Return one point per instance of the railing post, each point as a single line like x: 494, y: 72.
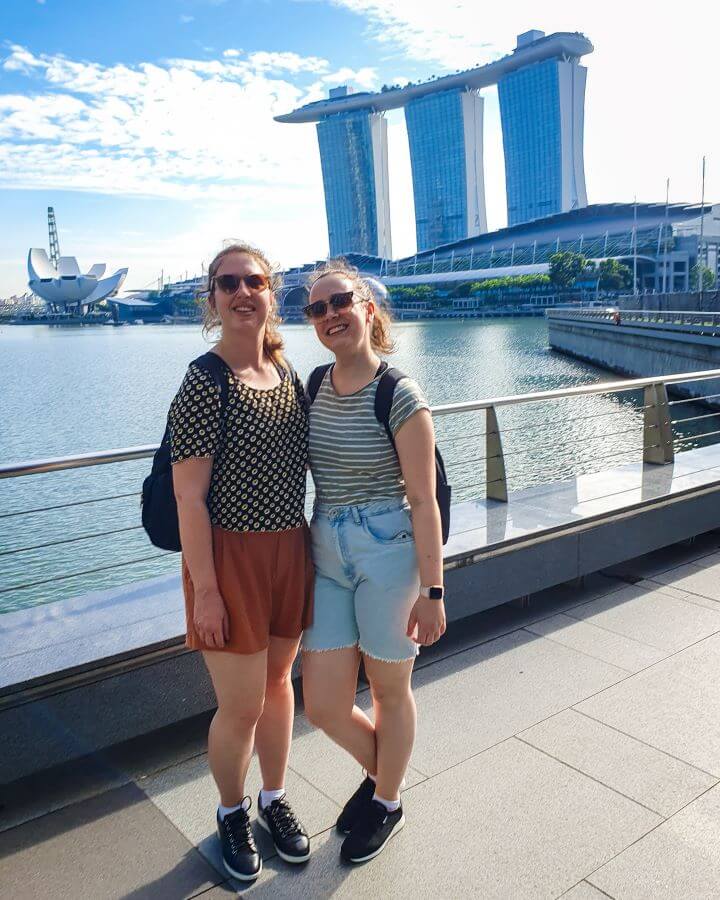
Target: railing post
x: 496, y: 488
x: 657, y: 426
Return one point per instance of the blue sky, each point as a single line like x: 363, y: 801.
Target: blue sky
x: 148, y: 125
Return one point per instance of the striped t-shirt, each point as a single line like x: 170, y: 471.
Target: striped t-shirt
x: 351, y: 459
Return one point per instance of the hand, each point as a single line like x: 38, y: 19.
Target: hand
x: 428, y: 617
x: 211, y: 619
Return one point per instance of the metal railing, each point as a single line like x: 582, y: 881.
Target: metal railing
x: 653, y: 440
x: 696, y: 322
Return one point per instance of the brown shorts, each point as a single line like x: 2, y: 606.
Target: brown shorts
x: 266, y: 580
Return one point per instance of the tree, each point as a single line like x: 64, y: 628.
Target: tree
x: 708, y: 278
x: 614, y: 276
x: 566, y: 267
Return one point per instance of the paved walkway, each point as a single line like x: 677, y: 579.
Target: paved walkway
x: 568, y: 749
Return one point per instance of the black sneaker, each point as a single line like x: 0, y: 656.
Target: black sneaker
x: 352, y: 809
x: 290, y: 838
x: 371, y: 832
x: 239, y: 853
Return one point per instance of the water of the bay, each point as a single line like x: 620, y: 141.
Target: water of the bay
x: 68, y: 391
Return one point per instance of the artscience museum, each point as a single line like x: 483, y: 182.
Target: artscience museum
x: 64, y: 287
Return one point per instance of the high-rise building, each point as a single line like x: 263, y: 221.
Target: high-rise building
x: 542, y: 92
x: 445, y: 132
x: 353, y: 156
x: 542, y: 112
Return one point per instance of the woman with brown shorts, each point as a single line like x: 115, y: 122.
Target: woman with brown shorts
x: 239, y: 470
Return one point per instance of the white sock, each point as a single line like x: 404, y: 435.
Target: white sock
x: 226, y: 810
x: 371, y: 777
x: 267, y: 797
x: 390, y: 805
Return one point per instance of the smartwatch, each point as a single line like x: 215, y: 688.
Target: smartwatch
x: 435, y: 592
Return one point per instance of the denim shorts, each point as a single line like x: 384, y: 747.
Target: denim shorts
x: 366, y: 579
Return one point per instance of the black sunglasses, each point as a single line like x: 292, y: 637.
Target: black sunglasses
x: 319, y: 308
x: 229, y: 284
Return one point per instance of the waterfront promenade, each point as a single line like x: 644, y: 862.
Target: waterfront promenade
x: 569, y: 748
x: 639, y: 342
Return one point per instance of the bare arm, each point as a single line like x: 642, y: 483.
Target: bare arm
x: 191, y: 482
x: 415, y: 442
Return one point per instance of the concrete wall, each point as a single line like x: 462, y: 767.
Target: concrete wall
x: 640, y: 352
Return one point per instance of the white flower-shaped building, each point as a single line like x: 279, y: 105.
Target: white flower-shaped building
x: 66, y: 285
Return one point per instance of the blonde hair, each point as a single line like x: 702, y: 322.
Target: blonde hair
x: 272, y: 341
x: 380, y: 339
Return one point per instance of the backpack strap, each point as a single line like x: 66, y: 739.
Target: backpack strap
x: 315, y: 380
x: 218, y: 368
x: 384, y: 397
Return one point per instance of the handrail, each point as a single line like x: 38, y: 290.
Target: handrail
x: 103, y: 457
x: 610, y: 310
x: 604, y: 387
x: 79, y: 461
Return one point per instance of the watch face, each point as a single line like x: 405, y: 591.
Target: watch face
x: 436, y: 593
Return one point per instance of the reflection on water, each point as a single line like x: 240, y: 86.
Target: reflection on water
x: 71, y: 391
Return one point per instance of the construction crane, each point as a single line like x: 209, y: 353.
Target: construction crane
x: 53, y: 237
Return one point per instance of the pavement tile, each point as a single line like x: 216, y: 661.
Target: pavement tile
x: 117, y: 845
x: 471, y: 701
x: 680, y: 858
x: 598, y: 642
x: 674, y: 706
x: 535, y: 829
x: 582, y: 891
x: 702, y: 577
x: 651, y: 616
x: 187, y: 796
x: 673, y: 591
x: 222, y: 892
x: 642, y: 773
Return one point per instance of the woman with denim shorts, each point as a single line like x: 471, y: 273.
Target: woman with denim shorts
x: 377, y: 551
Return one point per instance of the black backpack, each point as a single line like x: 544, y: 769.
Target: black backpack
x: 159, y: 509
x: 383, y: 404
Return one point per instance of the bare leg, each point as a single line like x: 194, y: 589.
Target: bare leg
x: 329, y: 686
x: 394, y: 721
x: 273, y: 733
x: 239, y: 682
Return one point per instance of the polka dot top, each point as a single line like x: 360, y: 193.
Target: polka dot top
x: 260, y: 456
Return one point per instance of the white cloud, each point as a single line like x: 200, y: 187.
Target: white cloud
x: 445, y: 34
x: 186, y: 20
x: 365, y: 78
x: 181, y: 128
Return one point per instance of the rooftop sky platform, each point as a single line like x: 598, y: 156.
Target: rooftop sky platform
x: 561, y: 45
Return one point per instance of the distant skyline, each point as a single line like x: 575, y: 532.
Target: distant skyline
x: 156, y: 142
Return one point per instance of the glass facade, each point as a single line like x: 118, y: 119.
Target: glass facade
x: 437, y: 155
x: 346, y: 157
x: 530, y: 113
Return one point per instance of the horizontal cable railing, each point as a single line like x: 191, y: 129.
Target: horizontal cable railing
x: 79, y: 543
x: 696, y: 321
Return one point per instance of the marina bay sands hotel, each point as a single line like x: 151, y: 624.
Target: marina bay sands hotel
x: 541, y: 87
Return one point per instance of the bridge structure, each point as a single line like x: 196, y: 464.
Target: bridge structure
x: 541, y: 87
x: 569, y: 718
